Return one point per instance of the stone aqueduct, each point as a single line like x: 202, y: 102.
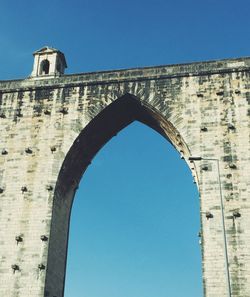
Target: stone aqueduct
x: 52, y: 125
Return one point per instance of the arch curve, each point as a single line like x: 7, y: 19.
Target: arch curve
x: 106, y: 125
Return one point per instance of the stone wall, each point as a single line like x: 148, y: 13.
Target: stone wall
x: 52, y: 128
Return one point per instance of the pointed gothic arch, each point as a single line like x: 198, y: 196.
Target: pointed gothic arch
x: 112, y: 119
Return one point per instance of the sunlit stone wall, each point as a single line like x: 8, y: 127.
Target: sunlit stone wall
x: 47, y: 124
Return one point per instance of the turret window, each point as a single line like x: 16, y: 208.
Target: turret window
x: 44, y: 67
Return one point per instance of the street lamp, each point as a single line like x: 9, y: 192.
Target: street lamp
x: 198, y: 158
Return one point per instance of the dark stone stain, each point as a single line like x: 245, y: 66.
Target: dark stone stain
x: 248, y: 97
x: 37, y: 109
x: 42, y: 94
x: 228, y: 158
x: 228, y: 186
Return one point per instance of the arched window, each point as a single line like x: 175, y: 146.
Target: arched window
x: 44, y: 67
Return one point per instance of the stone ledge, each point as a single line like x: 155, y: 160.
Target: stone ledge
x: 127, y: 75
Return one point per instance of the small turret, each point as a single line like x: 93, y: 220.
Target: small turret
x: 48, y: 61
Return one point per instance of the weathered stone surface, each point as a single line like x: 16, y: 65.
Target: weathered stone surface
x: 51, y: 129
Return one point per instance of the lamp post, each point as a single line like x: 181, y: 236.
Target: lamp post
x: 222, y: 219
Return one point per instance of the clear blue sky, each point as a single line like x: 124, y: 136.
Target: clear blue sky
x: 136, y: 214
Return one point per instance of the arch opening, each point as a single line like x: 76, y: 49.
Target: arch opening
x: 44, y: 67
x: 133, y: 227
x: 93, y: 137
